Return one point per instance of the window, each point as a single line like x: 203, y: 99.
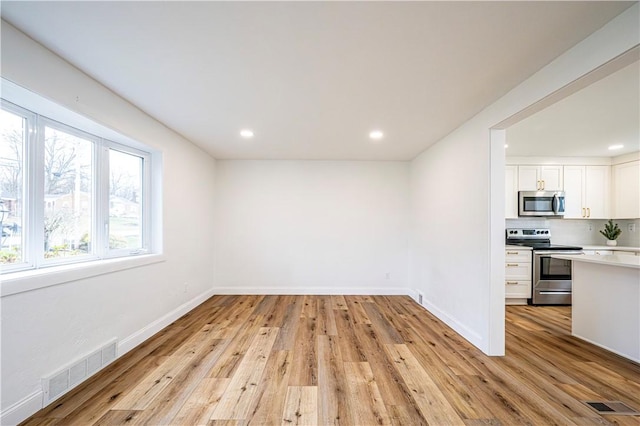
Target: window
x: 68, y: 195
x: 125, y: 200
x: 68, y: 184
x: 14, y: 132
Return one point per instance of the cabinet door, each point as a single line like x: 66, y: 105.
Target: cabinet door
x: 574, y: 207
x: 528, y: 179
x: 517, y: 289
x: 626, y: 190
x: 596, y: 191
x: 551, y: 177
x: 517, y: 256
x: 511, y: 192
x: 540, y: 178
x: 517, y: 271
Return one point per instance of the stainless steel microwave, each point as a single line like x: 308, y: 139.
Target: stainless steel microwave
x: 541, y: 203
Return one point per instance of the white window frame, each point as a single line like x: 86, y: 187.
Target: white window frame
x: 35, y: 266
x: 38, y: 190
x: 145, y: 199
x: 28, y: 260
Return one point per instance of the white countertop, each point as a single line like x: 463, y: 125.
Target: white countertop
x: 620, y: 248
x: 611, y: 260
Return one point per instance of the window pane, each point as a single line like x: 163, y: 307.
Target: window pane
x: 68, y: 194
x: 12, y: 146
x: 125, y: 200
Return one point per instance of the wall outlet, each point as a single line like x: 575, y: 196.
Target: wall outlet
x: 420, y: 297
x: 186, y: 287
x: 631, y: 227
x: 589, y: 227
x: 387, y: 275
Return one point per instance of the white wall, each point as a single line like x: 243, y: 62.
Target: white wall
x: 45, y: 329
x: 452, y: 195
x: 284, y: 226
x: 312, y: 227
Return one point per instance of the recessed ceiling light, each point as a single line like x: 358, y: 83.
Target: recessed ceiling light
x: 506, y: 145
x: 376, y: 135
x: 614, y: 147
x: 246, y: 133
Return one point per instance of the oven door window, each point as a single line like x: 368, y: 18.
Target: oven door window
x: 554, y: 269
x: 537, y: 204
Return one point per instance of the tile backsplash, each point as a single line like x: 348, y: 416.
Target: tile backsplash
x: 580, y: 231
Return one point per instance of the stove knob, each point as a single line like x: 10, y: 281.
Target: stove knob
x: 537, y: 232
x: 546, y: 232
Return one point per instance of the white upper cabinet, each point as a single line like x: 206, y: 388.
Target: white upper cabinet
x: 511, y: 192
x: 626, y: 190
x: 596, y: 191
x: 574, y: 192
x: 540, y: 178
x: 586, y: 192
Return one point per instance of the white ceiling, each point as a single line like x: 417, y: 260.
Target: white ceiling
x: 586, y: 123
x: 311, y: 78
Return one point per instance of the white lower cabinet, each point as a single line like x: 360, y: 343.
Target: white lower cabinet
x: 517, y: 276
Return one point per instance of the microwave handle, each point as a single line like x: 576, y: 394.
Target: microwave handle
x: 555, y: 203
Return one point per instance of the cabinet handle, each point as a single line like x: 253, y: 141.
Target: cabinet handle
x: 512, y: 264
x: 542, y: 185
x: 512, y: 282
x: 588, y: 212
x: 584, y: 212
x: 539, y: 185
x: 512, y: 252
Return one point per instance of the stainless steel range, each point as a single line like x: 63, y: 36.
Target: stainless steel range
x: 551, y: 278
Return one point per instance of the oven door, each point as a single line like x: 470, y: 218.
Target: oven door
x: 551, y: 278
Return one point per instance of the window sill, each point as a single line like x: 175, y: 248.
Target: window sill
x: 24, y: 281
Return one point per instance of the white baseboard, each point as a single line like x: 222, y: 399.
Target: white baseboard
x: 143, y: 334
x: 29, y: 405
x: 321, y: 291
x: 412, y: 293
x: 632, y: 357
x: 22, y: 409
x: 473, y: 337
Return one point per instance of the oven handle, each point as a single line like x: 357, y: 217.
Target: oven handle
x: 554, y: 292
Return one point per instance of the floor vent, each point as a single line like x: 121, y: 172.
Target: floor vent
x: 612, y: 407
x: 62, y: 381
x: 420, y: 297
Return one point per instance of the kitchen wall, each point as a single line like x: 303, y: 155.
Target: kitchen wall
x: 457, y: 190
x: 312, y: 227
x: 579, y: 231
x: 45, y: 329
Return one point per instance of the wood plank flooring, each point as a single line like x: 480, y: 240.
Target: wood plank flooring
x: 349, y: 360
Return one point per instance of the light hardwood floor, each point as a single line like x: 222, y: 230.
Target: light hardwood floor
x: 352, y: 360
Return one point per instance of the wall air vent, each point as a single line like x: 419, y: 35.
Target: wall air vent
x: 65, y: 379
